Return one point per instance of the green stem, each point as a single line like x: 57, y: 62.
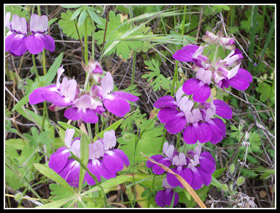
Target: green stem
x: 93, y: 176
x: 133, y: 68
x: 35, y: 67
x: 175, y: 78
x: 89, y: 131
x: 86, y: 43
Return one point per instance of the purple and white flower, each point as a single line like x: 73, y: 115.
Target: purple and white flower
x: 219, y: 40
x: 15, y: 39
x: 103, y: 159
x: 195, y: 167
x: 197, y: 121
x: 164, y: 197
x: 84, y: 108
x: 61, y: 161
x: 168, y: 151
x: 38, y: 40
x: 60, y: 94
x: 115, y: 102
x: 223, y: 73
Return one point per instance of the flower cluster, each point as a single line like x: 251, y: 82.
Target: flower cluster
x: 195, y: 167
x: 222, y: 72
x: 198, y: 121
x: 103, y: 159
x: 17, y: 42
x: 196, y: 113
x: 82, y: 105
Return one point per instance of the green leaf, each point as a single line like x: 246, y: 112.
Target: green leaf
x: 58, y: 192
x: 155, y: 78
x: 57, y: 203
x: 240, y: 180
x: 71, y: 6
x: 68, y: 26
x: 114, y: 126
x: 231, y: 169
x: 48, y: 78
x: 94, y: 16
x: 84, y: 151
x: 50, y: 22
x: 69, y: 126
x: 16, y: 143
x: 82, y: 17
x: 110, y: 183
x: 267, y: 91
x: 53, y: 176
x: 117, y: 32
x: 76, y: 13
x: 215, y: 182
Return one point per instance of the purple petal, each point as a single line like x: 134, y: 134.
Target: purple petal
x: 176, y: 125
x: 169, y: 196
x: 122, y: 156
x: 89, y: 116
x: 73, y: 114
x: 185, y: 54
x: 59, y: 159
x: 156, y: 158
x: 187, y: 175
x: 157, y: 169
x: 203, y: 132
x: 202, y: 93
x: 117, y: 106
x: 172, y: 180
x: 112, y: 162
x: 71, y: 173
x: 17, y: 45
x: 223, y: 109
x: 207, y: 162
x: 167, y: 114
x: 35, y: 43
x: 125, y: 95
x: 160, y: 198
x: 189, y: 135
x: 94, y: 168
x: 8, y: 41
x: 106, y: 173
x: 205, y: 177
x: 36, y: 95
x: 165, y: 101
x: 196, y: 179
x: 190, y: 86
x: 218, y: 130
x: 241, y: 81
x: 49, y: 43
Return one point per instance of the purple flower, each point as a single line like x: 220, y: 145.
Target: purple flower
x: 201, y: 165
x: 223, y: 73
x: 61, y: 162
x: 38, y: 40
x: 84, y: 108
x: 103, y: 159
x: 164, y: 197
x: 196, y: 121
x: 114, y: 102
x: 196, y: 167
x: 60, y: 94
x: 15, y: 39
x: 219, y: 40
x: 94, y: 69
x: 168, y: 151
